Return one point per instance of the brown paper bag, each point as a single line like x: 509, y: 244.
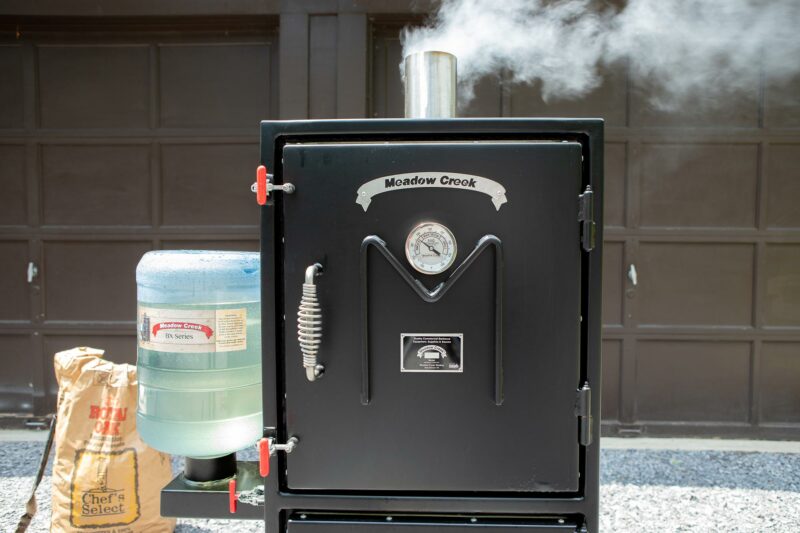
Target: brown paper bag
x: 105, y: 478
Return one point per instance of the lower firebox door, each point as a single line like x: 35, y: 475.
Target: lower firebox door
x: 319, y: 523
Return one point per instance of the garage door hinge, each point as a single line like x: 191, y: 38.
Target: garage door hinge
x: 586, y: 217
x: 583, y: 412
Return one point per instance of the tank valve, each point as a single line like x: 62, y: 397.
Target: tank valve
x: 254, y: 496
x: 232, y: 499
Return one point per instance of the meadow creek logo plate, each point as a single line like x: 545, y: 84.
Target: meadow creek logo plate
x: 431, y: 352
x: 442, y: 180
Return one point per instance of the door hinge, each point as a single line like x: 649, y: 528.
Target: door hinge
x: 586, y: 217
x: 583, y: 412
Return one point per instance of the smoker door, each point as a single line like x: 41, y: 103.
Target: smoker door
x: 460, y: 430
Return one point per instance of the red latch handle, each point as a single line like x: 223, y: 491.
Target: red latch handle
x: 261, y: 185
x: 263, y: 457
x: 232, y: 498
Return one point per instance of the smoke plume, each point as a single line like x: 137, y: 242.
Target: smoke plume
x: 676, y: 48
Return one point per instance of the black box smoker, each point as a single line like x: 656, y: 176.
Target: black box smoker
x: 431, y: 324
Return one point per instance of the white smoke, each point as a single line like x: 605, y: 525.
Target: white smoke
x: 678, y: 48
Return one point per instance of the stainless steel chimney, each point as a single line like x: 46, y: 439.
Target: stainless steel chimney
x: 430, y: 83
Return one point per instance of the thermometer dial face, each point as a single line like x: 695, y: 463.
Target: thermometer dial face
x: 431, y: 248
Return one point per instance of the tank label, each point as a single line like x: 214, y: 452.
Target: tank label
x: 192, y: 330
x: 431, y: 352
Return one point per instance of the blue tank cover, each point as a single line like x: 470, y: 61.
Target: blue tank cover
x: 198, y: 276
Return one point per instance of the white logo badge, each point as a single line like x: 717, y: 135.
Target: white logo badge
x: 442, y: 180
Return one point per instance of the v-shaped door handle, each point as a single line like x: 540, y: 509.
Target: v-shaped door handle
x: 433, y: 296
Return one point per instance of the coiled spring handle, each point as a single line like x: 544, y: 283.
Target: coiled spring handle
x: 309, y: 325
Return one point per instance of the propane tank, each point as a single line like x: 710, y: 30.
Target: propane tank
x: 199, y: 352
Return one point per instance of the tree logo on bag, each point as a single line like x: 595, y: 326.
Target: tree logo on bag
x: 102, y: 500
x: 104, y: 488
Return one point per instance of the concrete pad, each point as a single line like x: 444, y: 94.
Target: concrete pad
x: 22, y: 435
x: 609, y: 443
x: 722, y: 445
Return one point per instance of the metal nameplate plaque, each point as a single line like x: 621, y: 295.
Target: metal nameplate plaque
x: 431, y: 352
x: 422, y: 180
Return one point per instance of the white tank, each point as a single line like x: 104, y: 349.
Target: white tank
x: 199, y: 351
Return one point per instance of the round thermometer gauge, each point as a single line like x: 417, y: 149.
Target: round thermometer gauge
x: 431, y: 248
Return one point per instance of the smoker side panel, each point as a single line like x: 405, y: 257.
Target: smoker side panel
x: 436, y: 432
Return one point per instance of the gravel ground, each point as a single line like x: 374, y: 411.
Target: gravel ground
x: 642, y: 490
x: 662, y: 490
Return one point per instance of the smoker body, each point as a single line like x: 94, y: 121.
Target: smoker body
x: 458, y: 398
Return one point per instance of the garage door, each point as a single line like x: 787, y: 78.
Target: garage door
x: 116, y: 139
x: 701, y: 210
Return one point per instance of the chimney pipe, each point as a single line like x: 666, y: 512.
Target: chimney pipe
x: 430, y: 83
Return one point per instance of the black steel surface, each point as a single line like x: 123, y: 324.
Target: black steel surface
x: 436, y: 431
x: 210, y: 500
x: 320, y: 523
x: 279, y: 500
x: 432, y: 296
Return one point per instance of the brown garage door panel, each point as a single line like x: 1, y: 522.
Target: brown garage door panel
x: 486, y: 101
x: 783, y: 185
x: 653, y: 108
x: 96, y: 185
x: 322, y: 62
x: 693, y: 381
x: 612, y: 353
x: 12, y: 91
x: 699, y: 185
x: 94, y: 86
x: 238, y: 245
x: 209, y: 184
x: 14, y: 299
x: 694, y: 284
x: 119, y: 136
x: 91, y: 281
x: 779, y: 384
x: 13, y: 200
x: 387, y: 94
x: 783, y: 103
x: 608, y: 100
x: 118, y: 348
x: 220, y: 85
x: 16, y: 378
x: 614, y: 182
x: 612, y: 283
x: 782, y: 285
